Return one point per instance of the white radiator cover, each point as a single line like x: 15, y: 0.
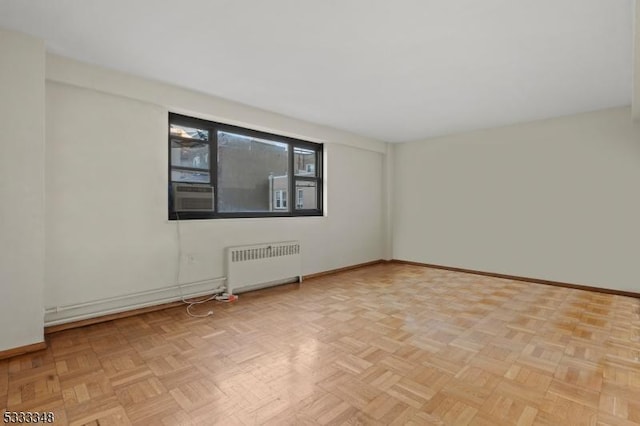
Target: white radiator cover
x: 262, y: 265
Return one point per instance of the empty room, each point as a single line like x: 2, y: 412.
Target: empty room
x: 320, y: 212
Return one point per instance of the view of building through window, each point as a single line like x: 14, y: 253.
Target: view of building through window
x: 189, y: 154
x: 246, y: 167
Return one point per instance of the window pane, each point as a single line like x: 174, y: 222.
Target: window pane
x: 189, y: 176
x: 189, y: 132
x: 190, y: 154
x: 306, y: 195
x: 304, y: 161
x: 252, y: 174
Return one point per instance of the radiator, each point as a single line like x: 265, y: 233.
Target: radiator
x: 262, y: 265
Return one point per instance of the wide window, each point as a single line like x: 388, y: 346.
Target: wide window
x: 222, y: 171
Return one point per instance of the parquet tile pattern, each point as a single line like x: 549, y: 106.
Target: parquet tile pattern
x: 387, y: 344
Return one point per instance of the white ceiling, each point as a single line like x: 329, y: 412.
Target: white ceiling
x: 393, y: 70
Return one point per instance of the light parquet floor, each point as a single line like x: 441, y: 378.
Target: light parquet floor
x: 386, y: 344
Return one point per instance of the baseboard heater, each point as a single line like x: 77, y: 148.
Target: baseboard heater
x: 56, y: 315
x: 263, y: 265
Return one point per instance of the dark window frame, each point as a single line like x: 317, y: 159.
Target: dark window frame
x: 213, y: 128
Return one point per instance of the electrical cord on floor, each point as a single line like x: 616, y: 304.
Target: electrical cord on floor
x: 219, y: 297
x: 192, y: 303
x: 189, y: 303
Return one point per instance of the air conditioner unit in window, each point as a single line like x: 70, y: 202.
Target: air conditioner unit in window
x: 193, y: 197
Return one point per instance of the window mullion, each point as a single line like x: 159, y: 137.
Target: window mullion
x: 213, y: 166
x: 292, y: 183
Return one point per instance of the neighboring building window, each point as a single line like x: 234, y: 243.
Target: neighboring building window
x: 300, y: 200
x: 222, y: 171
x: 281, y: 199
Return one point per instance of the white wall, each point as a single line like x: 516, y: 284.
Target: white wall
x: 387, y: 185
x: 555, y: 199
x: 107, y: 228
x: 68, y: 71
x: 636, y: 66
x: 21, y: 190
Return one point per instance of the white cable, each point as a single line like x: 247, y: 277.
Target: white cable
x: 197, y: 302
x: 196, y: 315
x: 189, y: 303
